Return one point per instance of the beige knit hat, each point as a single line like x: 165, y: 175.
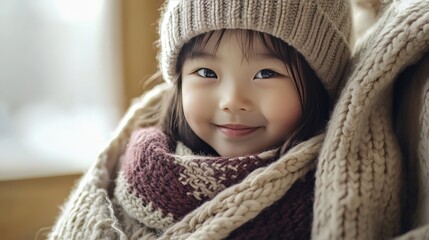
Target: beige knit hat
x: 318, y: 29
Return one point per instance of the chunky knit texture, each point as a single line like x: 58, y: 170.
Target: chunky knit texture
x: 358, y: 173
x: 167, y: 186
x: 85, y: 218
x: 318, y: 29
x: 158, y: 187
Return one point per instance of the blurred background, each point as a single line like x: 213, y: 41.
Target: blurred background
x: 68, y: 71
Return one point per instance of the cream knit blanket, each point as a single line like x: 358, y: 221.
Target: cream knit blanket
x: 359, y: 172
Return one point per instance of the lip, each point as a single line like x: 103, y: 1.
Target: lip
x: 236, y: 130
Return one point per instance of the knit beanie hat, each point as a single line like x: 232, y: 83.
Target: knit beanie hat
x: 318, y: 29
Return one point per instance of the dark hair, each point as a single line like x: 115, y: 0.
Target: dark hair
x: 314, y: 99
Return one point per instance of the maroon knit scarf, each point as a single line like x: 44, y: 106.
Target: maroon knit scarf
x: 158, y: 185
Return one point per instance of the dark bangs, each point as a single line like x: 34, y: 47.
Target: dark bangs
x: 314, y: 99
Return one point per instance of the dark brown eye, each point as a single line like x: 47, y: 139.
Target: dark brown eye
x: 266, y: 73
x: 206, y: 73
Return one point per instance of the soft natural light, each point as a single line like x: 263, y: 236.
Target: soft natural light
x: 60, y: 84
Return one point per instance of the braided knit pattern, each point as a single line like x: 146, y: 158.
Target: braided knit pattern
x: 89, y: 212
x: 157, y: 186
x: 238, y: 204
x: 359, y: 170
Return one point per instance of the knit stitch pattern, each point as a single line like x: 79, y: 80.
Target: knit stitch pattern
x: 82, y: 218
x: 359, y: 171
x: 89, y: 212
x: 318, y: 29
x: 151, y: 188
x: 242, y: 202
x: 166, y: 185
x: 288, y: 218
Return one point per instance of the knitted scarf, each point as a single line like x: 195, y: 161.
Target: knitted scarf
x: 358, y: 168
x: 359, y: 174
x: 158, y: 187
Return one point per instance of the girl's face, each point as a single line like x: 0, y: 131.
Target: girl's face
x: 238, y: 103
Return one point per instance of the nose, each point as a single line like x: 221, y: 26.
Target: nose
x: 235, y: 98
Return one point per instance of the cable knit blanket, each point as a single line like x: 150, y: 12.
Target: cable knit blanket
x: 358, y: 174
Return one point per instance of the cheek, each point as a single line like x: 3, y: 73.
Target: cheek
x: 283, y: 111
x: 195, y: 106
x: 288, y: 117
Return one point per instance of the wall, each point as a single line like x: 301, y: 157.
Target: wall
x: 139, y: 32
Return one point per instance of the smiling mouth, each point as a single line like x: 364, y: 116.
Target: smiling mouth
x: 236, y: 130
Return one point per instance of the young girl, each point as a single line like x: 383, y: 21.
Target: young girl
x: 241, y: 92
x: 234, y: 151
